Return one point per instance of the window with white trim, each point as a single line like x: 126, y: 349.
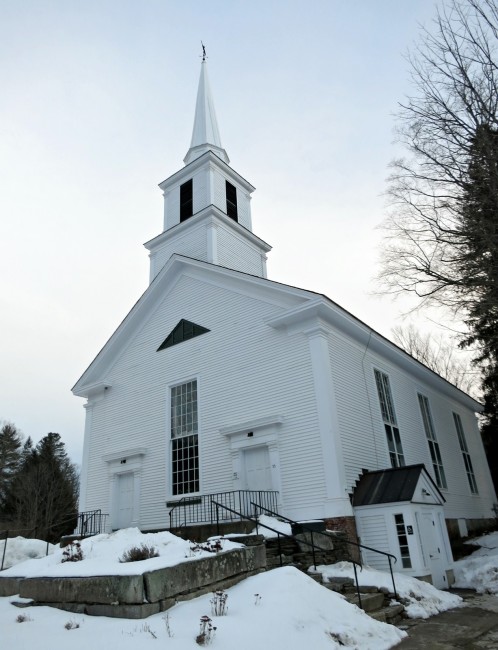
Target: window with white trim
x: 465, y: 453
x: 437, y: 462
x: 184, y: 439
x: 404, y: 549
x: 396, y: 455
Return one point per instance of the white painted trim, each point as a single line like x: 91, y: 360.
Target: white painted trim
x: 328, y: 421
x: 116, y: 468
x: 250, y: 425
x: 169, y: 483
x: 125, y: 454
x: 207, y: 158
x: 86, y: 455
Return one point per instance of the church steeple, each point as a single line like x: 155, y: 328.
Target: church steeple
x: 205, y: 134
x: 207, y: 204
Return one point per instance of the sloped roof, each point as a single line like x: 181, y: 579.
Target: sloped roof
x: 389, y: 485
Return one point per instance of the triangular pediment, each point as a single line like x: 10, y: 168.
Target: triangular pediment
x: 183, y: 331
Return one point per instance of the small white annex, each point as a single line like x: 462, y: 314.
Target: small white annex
x: 222, y: 381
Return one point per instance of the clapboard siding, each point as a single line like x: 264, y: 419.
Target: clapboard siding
x: 191, y: 243
x: 262, y: 379
x: 372, y: 530
x: 363, y: 438
x: 248, y: 369
x: 235, y: 253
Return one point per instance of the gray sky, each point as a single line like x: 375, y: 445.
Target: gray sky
x: 96, y: 108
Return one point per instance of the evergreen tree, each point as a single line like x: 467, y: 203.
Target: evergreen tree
x: 10, y: 459
x: 479, y: 263
x: 44, y: 494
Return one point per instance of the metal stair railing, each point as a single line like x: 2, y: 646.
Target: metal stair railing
x: 346, y: 541
x: 280, y: 534
x: 199, y: 509
x: 91, y: 522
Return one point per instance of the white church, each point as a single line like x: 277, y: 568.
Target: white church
x: 222, y: 382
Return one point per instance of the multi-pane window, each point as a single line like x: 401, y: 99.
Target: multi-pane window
x: 186, y: 200
x: 231, y: 192
x: 430, y: 432
x: 465, y: 453
x: 396, y: 455
x: 403, y: 542
x: 184, y: 439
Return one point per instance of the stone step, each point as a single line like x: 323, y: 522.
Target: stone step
x: 391, y: 614
x: 369, y: 601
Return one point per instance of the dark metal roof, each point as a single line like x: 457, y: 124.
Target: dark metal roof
x: 389, y: 485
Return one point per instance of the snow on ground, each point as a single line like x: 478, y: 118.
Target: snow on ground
x: 20, y: 549
x: 421, y: 600
x: 101, y: 555
x: 282, y: 608
x: 479, y: 571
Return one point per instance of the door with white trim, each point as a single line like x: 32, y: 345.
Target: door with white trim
x: 125, y: 499
x: 432, y: 547
x: 257, y: 469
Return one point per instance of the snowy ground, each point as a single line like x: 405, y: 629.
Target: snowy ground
x: 479, y: 571
x: 420, y: 599
x: 102, y: 553
x: 282, y: 608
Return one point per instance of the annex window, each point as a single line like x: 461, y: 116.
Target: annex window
x: 389, y: 416
x: 403, y: 542
x: 184, y: 439
x: 186, y: 200
x: 465, y: 453
x: 183, y: 331
x: 231, y: 192
x: 437, y: 463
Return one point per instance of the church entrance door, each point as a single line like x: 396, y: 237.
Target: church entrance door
x: 257, y: 469
x: 125, y: 500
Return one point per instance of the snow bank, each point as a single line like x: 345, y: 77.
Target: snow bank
x: 282, y: 608
x: 276, y: 524
x: 20, y: 549
x: 101, y: 555
x: 479, y: 571
x: 421, y: 600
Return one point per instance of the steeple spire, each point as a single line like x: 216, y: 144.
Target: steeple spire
x: 205, y: 135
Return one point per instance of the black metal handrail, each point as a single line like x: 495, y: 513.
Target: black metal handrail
x: 279, y: 534
x: 199, y: 509
x: 345, y: 540
x: 91, y: 522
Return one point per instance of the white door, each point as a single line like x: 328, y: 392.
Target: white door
x: 432, y: 547
x: 257, y: 469
x: 125, y: 496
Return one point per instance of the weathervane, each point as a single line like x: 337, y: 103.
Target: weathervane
x: 203, y: 51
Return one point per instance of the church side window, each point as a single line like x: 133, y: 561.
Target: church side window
x: 186, y: 200
x: 231, y: 192
x: 184, y: 439
x: 396, y: 455
x: 465, y: 453
x: 437, y: 463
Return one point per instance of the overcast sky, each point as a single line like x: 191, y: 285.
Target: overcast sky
x: 96, y: 108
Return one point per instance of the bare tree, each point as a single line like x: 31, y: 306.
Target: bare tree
x: 455, y: 80
x: 440, y: 356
